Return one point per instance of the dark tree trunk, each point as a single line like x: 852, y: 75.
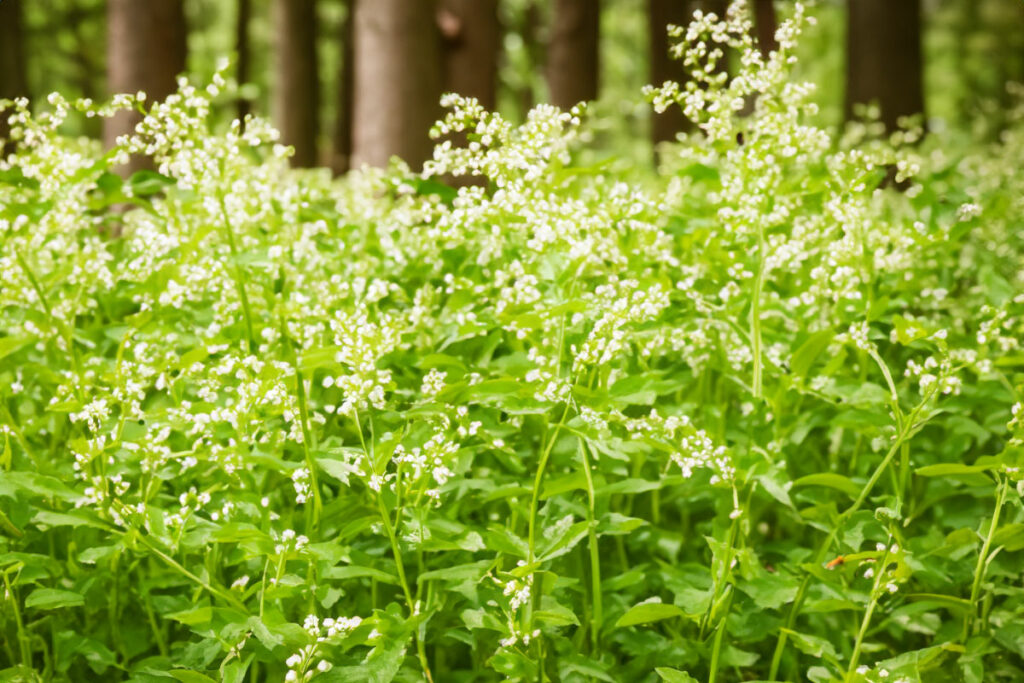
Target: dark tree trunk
x: 572, y: 65
x: 244, y: 56
x: 529, y: 30
x: 146, y: 50
x: 397, y: 81
x: 470, y: 41
x: 661, y: 13
x: 13, y: 74
x: 884, y: 63
x: 342, y: 141
x: 765, y: 25
x: 719, y: 7
x: 296, y: 107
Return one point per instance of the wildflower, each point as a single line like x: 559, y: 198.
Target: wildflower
x: 433, y: 383
x: 301, y: 483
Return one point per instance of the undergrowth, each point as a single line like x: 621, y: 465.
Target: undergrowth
x: 759, y: 418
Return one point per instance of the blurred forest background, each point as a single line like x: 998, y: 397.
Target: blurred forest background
x: 357, y: 81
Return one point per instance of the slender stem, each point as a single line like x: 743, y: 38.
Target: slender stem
x: 866, y: 621
x: 721, y: 583
x: 904, y: 471
x: 158, y: 634
x: 755, y: 312
x: 400, y: 567
x: 214, y: 590
x: 982, y: 566
x: 537, y: 481
x: 24, y: 644
x: 55, y: 321
x: 894, y: 397
x: 397, y: 552
x: 237, y: 274
x: 307, y: 440
x: 597, y: 614
x: 819, y: 556
x: 716, y: 648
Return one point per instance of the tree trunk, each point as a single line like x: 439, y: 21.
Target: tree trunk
x: 397, y: 81
x: 529, y: 28
x: 341, y: 152
x: 296, y: 107
x: 145, y: 51
x: 572, y: 65
x: 13, y: 76
x: 661, y: 13
x: 470, y: 42
x: 765, y: 25
x: 242, y: 66
x: 884, y: 63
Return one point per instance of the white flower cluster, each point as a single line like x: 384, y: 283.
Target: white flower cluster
x: 433, y: 383
x: 301, y: 483
x: 430, y: 464
x: 518, y: 593
x: 934, y: 376
x: 290, y: 543
x: 621, y: 302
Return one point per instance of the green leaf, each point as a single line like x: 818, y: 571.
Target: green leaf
x: 953, y: 469
x: 616, y: 524
x: 908, y: 331
x: 381, y: 666
x: 569, y: 482
x: 1010, y: 537
x: 73, y: 519
x: 674, y: 675
x: 628, y: 486
x: 829, y: 480
x: 556, y: 614
x: 355, y: 572
x: 337, y: 469
x: 145, y: 182
x: 473, y: 571
x: 646, y: 612
x: 191, y: 617
x: 954, y: 604
x: 733, y: 656
x: 9, y: 345
x: 565, y: 541
x: 53, y: 598
x: 269, y: 639
x: 770, y: 591
x: 811, y: 645
x: 188, y: 676
x: 808, y: 352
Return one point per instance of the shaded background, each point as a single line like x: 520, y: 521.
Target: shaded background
x: 353, y: 81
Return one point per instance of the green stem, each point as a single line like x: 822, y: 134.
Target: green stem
x: 236, y: 274
x: 537, y: 481
x: 24, y: 643
x: 716, y: 648
x: 721, y: 583
x: 400, y: 567
x: 63, y: 329
x: 534, y: 500
x: 396, y: 551
x: 597, y: 614
x: 174, y: 564
x: 755, y: 312
x: 866, y: 621
x: 819, y: 556
x: 982, y: 566
x: 307, y: 440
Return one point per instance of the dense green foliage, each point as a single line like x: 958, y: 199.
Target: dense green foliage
x: 759, y: 417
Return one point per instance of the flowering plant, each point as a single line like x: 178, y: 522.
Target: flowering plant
x: 759, y: 418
